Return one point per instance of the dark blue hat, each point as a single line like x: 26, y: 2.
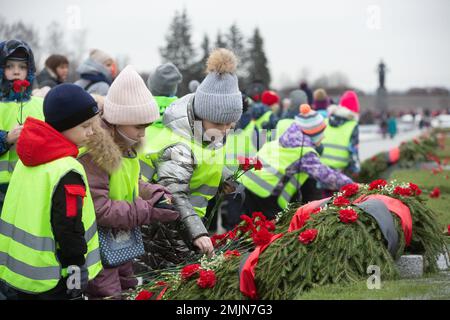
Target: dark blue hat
x: 68, y: 105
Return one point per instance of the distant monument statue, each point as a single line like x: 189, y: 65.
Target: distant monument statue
x: 381, y: 73
x: 381, y: 98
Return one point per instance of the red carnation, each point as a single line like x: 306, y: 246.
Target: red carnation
x: 435, y: 193
x: 308, y: 236
x: 230, y: 234
x: 244, y: 163
x: 217, y: 238
x: 448, y: 229
x: 246, y: 228
x: 258, y: 165
x: 262, y: 237
x: 17, y: 86
x: 348, y: 215
x: 20, y: 85
x: 144, y: 295
x: 269, y: 225
x: 350, y: 189
x: 341, y: 201
x: 161, y: 283
x: 248, y: 224
x: 247, y: 219
x: 258, y: 215
x: 232, y: 253
x: 190, y: 270
x: 377, y: 184
x: 406, y: 192
x: 207, y: 279
x: 415, y: 189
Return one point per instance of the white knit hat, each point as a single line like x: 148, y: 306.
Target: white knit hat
x: 99, y: 56
x: 128, y: 101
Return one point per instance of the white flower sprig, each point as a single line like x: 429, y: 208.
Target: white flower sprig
x: 212, y: 263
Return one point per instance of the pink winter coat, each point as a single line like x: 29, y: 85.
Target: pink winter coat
x: 103, y: 158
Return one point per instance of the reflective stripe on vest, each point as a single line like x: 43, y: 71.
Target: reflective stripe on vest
x: 42, y: 273
x: 147, y: 171
x: 336, y: 153
x: 27, y: 245
x: 198, y: 201
x: 37, y: 243
x: 259, y: 125
x: 241, y: 143
x: 9, y: 115
x: 285, y: 197
x: 246, y: 142
x: 201, y: 201
x: 28, y: 271
x: 264, y: 182
x: 334, y: 146
x: 208, y: 168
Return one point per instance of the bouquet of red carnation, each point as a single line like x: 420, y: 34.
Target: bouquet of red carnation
x: 20, y: 86
x: 245, y: 164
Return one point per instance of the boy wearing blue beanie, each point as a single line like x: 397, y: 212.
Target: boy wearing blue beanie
x: 49, y: 249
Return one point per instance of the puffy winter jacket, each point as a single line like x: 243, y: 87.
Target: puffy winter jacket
x: 95, y: 78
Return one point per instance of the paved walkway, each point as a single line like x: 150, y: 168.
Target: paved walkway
x: 370, y: 145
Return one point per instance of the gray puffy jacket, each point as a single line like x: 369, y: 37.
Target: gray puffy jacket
x: 166, y: 245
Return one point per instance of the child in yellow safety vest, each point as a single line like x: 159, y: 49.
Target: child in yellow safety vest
x: 17, y: 72
x: 122, y: 201
x: 341, y: 141
x: 47, y: 226
x: 188, y: 158
x: 288, y: 164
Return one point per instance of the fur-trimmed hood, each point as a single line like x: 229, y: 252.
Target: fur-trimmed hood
x: 105, y: 148
x: 6, y: 86
x: 342, y: 112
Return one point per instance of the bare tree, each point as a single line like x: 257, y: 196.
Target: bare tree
x: 22, y: 31
x: 220, y: 43
x: 77, y: 52
x: 55, y: 39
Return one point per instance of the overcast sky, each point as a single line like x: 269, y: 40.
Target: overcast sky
x: 321, y: 36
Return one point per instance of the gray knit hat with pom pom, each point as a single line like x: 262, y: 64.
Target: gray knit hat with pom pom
x: 217, y: 98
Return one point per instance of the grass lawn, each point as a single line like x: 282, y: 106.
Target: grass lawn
x: 444, y: 153
x: 427, y: 182
x: 429, y: 287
